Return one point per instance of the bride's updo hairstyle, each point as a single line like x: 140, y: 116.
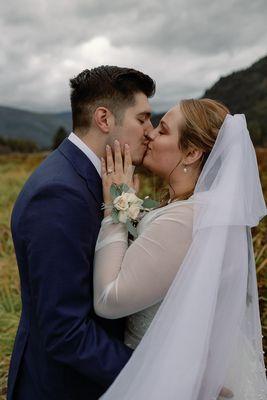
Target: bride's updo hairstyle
x: 203, y: 119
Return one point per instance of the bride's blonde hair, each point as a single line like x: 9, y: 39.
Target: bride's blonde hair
x: 203, y: 119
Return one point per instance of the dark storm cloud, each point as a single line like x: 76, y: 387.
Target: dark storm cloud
x: 203, y: 26
x: 184, y: 45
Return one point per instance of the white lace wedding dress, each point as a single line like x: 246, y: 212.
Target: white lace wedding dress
x: 133, y: 281
x: 138, y: 323
x: 176, y: 217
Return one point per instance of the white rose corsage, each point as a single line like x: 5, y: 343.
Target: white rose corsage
x: 126, y: 207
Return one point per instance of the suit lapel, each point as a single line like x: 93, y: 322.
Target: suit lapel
x: 84, y: 167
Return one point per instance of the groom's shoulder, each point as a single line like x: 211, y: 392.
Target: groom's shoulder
x: 55, y: 173
x: 55, y: 168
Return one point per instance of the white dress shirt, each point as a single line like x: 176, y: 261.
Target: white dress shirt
x: 86, y: 150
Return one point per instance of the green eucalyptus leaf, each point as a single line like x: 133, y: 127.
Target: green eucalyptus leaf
x: 124, y: 187
x: 115, y: 215
x: 131, y: 228
x: 114, y: 191
x: 150, y: 203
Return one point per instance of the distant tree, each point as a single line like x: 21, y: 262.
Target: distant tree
x: 60, y: 135
x: 8, y: 145
x: 4, y: 148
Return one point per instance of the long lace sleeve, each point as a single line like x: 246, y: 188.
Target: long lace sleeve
x: 129, y: 279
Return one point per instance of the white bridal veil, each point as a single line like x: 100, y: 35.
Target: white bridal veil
x: 207, y: 333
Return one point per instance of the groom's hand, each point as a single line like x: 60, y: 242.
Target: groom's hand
x: 226, y: 393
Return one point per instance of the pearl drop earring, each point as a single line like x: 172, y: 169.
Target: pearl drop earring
x: 185, y: 170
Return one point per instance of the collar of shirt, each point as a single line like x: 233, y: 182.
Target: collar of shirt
x: 86, y: 150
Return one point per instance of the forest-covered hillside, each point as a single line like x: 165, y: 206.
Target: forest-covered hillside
x: 246, y: 92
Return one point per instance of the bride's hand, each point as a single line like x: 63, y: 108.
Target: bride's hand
x: 118, y: 170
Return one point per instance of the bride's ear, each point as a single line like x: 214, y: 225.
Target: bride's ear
x: 104, y: 119
x: 193, y: 155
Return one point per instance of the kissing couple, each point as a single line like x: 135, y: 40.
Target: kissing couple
x: 170, y: 315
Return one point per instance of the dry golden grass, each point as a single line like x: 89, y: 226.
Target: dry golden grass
x: 14, y: 170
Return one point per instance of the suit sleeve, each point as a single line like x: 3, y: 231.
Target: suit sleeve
x: 58, y: 228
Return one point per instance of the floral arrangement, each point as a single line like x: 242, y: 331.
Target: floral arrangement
x: 127, y: 207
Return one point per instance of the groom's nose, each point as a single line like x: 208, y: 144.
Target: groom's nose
x: 147, y: 132
x: 150, y: 135
x: 147, y: 127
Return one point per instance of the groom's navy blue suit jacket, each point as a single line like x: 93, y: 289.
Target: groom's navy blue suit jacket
x: 63, y: 350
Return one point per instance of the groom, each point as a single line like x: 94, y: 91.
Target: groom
x: 63, y: 350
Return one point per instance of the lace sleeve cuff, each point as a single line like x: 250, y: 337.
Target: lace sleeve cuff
x: 110, y: 233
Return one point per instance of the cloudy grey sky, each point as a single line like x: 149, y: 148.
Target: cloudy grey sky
x: 185, y: 45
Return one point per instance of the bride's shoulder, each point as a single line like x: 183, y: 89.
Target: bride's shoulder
x: 177, y: 208
x: 177, y: 211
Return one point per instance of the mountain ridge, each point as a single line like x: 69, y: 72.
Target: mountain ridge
x: 29, y: 125
x: 243, y: 91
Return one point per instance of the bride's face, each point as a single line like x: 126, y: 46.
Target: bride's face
x: 163, y: 153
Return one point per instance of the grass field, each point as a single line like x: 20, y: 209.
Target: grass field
x: 14, y: 170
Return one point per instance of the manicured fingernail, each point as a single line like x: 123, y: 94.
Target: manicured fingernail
x: 107, y: 147
x: 126, y: 146
x: 116, y: 142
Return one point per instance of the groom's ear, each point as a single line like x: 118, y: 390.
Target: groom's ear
x: 104, y: 119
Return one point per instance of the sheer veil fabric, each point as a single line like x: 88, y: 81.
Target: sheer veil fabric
x: 207, y: 332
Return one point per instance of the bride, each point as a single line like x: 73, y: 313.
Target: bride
x: 188, y: 282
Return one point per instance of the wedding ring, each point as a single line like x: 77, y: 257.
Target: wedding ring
x: 109, y: 172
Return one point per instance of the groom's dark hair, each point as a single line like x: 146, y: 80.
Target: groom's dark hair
x: 107, y: 86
